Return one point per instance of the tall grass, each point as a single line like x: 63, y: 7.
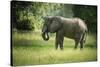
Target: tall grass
x: 30, y: 48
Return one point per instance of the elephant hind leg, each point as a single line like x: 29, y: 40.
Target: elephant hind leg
x: 82, y: 41
x: 76, y: 43
x: 77, y: 40
x: 81, y: 44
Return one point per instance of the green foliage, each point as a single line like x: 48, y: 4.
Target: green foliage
x: 27, y: 15
x: 66, y: 11
x: 88, y: 14
x: 25, y: 22
x: 20, y: 15
x: 22, y: 11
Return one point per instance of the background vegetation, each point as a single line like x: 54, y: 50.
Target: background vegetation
x: 28, y: 46
x: 29, y: 15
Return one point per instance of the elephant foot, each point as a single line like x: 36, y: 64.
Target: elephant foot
x: 75, y: 47
x: 61, y: 48
x: 56, y: 48
x: 81, y: 48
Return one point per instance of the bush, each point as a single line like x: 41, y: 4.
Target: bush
x: 25, y: 24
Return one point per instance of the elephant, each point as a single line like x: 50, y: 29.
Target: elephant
x: 73, y: 28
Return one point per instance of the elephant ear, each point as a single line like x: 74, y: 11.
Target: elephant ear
x: 55, y: 25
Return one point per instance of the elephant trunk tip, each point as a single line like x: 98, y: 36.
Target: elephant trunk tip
x: 45, y: 36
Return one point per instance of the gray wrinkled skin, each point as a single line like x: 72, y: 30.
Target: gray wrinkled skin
x: 73, y: 28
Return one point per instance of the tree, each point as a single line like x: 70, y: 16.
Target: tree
x: 28, y: 15
x: 19, y: 15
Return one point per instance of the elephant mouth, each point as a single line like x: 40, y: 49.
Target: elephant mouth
x: 45, y: 36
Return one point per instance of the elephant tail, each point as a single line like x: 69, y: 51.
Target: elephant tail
x: 85, y: 35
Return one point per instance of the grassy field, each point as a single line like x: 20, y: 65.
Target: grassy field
x: 29, y: 48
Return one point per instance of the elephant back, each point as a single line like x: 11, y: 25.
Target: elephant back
x: 82, y: 25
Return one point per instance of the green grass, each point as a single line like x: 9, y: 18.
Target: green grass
x: 30, y: 48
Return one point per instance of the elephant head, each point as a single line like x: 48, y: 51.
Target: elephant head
x: 52, y: 25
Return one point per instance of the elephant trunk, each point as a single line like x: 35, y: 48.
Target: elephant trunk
x: 45, y: 36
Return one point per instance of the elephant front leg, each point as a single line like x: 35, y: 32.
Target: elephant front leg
x: 59, y: 40
x: 61, y: 46
x: 56, y: 44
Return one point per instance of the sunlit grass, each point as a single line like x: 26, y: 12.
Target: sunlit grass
x: 30, y: 48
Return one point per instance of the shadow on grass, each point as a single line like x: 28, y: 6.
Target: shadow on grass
x: 30, y: 43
